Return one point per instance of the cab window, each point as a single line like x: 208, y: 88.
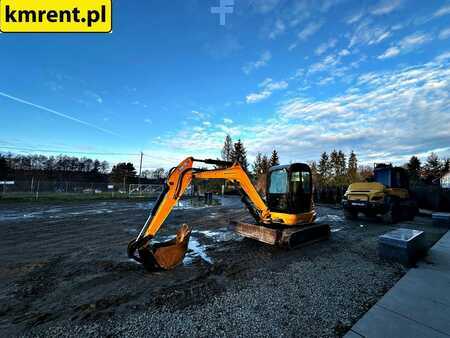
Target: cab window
x: 300, y: 181
x: 278, y: 182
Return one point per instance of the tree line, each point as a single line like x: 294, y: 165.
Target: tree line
x: 21, y: 167
x: 336, y: 169
x: 430, y: 172
x: 52, y: 163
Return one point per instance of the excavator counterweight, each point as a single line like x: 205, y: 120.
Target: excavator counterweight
x: 287, y: 218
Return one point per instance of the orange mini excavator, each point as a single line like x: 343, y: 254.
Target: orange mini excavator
x: 285, y: 219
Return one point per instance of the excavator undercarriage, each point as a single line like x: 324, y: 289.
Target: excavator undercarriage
x: 287, y: 220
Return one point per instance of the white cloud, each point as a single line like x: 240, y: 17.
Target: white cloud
x: 268, y: 87
x: 149, y: 121
x: 256, y: 97
x: 344, y: 52
x: 277, y: 30
x: 354, y: 17
x: 386, y: 7
x: 323, y: 47
x: 390, y: 52
x: 444, y: 34
x: 309, y: 30
x: 261, y: 62
x: 443, y: 57
x: 264, y: 6
x: 367, y: 34
x: 414, y: 40
x: 227, y: 121
x: 444, y: 10
x: 96, y: 97
x: 405, y: 45
x: 324, y: 65
x: 387, y: 116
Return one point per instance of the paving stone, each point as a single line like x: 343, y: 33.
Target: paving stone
x: 423, y: 310
x: 382, y: 323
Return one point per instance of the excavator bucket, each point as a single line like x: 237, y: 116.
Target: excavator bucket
x: 166, y: 255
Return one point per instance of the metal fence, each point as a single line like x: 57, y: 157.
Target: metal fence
x: 66, y: 190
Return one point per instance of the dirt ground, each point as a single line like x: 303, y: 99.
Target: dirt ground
x: 64, y: 271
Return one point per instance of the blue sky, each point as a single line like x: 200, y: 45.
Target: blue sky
x: 300, y: 76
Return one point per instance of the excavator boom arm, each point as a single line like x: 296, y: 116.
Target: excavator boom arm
x: 179, y: 179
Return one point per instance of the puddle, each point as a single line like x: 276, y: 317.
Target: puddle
x: 194, y: 203
x: 333, y: 218
x: 196, y: 250
x: 220, y: 235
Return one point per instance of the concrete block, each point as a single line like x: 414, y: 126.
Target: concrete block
x: 382, y: 323
x: 402, y: 245
x: 441, y: 219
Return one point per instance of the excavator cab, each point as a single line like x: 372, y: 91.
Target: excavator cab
x: 289, y: 189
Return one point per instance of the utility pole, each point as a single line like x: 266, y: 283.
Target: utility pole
x: 140, y: 173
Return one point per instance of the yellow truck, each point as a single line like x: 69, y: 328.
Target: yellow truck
x: 387, y: 196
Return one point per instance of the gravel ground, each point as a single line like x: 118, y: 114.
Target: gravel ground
x: 233, y: 287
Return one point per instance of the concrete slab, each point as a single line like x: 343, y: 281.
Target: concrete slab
x: 438, y: 258
x: 381, y: 323
x: 441, y: 219
x: 418, y: 305
x: 426, y: 284
x: 422, y: 310
x: 352, y: 334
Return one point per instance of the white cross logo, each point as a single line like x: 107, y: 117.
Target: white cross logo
x: 225, y: 7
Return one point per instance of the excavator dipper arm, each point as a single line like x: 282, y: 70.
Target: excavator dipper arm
x: 168, y: 255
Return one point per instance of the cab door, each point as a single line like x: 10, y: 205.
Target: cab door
x: 300, y: 190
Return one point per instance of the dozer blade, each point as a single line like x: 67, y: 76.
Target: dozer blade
x: 165, y: 255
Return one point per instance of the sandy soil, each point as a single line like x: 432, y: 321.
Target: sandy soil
x: 64, y: 271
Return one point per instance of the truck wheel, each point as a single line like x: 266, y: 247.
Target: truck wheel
x: 350, y: 214
x: 412, y: 212
x: 391, y: 216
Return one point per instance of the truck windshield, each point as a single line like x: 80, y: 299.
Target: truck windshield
x: 278, y: 182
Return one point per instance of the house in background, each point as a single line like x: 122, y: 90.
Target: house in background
x: 445, y: 181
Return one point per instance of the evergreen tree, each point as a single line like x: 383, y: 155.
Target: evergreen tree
x: 239, y: 154
x: 122, y: 171
x: 323, y: 169
x: 334, y: 163
x: 414, y: 168
x: 257, y: 164
x: 274, y: 159
x: 265, y: 164
x: 341, y: 169
x: 365, y: 172
x: 446, y: 166
x: 4, y: 169
x: 352, y: 167
x: 314, y: 172
x: 433, y: 168
x: 227, y: 149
